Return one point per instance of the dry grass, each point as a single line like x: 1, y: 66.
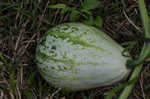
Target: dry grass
x: 22, y: 24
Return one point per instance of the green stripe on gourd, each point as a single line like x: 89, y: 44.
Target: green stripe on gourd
x: 74, y: 40
x: 65, y: 60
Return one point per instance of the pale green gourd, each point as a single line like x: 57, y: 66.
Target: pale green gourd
x: 74, y: 57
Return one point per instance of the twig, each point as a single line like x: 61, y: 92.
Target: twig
x: 141, y: 84
x: 61, y: 18
x: 1, y: 94
x: 55, y: 16
x: 51, y: 97
x: 21, y: 52
x: 12, y: 96
x: 18, y: 14
x: 137, y: 97
x: 17, y: 43
x: 20, y: 35
x: 42, y: 16
x: 131, y: 22
x: 21, y: 75
x: 19, y: 93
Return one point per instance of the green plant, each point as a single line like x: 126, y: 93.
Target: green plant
x: 84, y: 10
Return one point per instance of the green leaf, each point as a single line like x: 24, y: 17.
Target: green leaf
x: 98, y: 21
x: 89, y: 21
x: 5, y: 62
x: 12, y: 81
x: 28, y: 94
x: 58, y: 6
x: 86, y: 11
x: 31, y: 79
x: 74, y: 15
x: 63, y: 11
x: 89, y: 4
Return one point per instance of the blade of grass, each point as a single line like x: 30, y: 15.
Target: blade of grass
x: 34, y: 11
x: 24, y: 12
x: 8, y: 7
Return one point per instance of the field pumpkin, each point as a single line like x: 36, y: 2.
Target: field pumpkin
x: 75, y: 56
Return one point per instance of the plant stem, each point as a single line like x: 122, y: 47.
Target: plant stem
x: 129, y: 88
x: 146, y: 48
x: 144, y: 54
